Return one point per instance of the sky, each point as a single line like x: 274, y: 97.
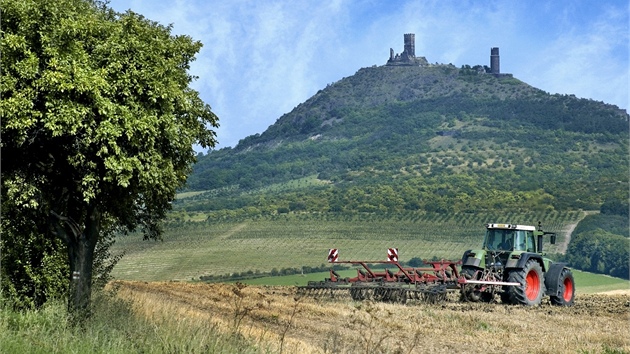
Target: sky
x: 262, y: 58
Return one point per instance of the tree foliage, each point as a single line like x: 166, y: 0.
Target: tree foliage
x: 601, y: 244
x: 620, y: 205
x: 599, y: 251
x: 98, y: 124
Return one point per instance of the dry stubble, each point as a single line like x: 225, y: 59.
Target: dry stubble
x: 275, y: 317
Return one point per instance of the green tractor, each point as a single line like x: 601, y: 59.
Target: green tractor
x: 511, y: 264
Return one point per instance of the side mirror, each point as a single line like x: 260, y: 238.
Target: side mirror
x: 553, y: 239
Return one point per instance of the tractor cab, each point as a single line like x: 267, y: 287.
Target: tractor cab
x: 504, y: 240
x: 509, y: 237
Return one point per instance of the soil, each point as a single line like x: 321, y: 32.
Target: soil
x: 276, y: 317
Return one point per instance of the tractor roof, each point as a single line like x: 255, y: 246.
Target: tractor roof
x: 510, y: 227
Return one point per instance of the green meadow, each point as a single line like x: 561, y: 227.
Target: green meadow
x: 191, y: 250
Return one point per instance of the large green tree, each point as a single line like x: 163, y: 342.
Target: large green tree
x: 98, y: 124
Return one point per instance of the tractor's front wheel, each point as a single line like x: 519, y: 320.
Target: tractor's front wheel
x: 566, y: 289
x: 472, y: 292
x: 532, y: 287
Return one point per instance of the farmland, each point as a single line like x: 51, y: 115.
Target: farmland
x: 161, y: 281
x: 277, y: 320
x: 191, y: 249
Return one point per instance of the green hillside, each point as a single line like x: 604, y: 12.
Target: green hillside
x: 429, y: 139
x: 261, y: 244
x: 417, y: 158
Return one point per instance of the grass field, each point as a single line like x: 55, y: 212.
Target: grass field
x: 294, y: 240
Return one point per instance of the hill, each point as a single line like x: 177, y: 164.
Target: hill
x: 428, y: 138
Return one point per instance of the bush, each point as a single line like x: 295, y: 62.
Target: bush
x: 283, y: 210
x: 616, y: 207
x: 415, y: 262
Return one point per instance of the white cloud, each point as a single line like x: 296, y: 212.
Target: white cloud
x: 262, y: 58
x: 586, y: 62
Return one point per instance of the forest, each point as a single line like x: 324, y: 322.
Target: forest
x: 600, y: 243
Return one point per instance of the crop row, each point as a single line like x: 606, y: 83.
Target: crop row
x: 289, y: 241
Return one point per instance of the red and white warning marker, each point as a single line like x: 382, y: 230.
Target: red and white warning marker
x: 392, y: 254
x: 333, y: 254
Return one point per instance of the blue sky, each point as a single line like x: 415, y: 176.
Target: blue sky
x: 262, y: 58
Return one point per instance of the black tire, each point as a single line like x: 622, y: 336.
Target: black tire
x: 532, y: 287
x: 566, y: 287
x: 505, y: 295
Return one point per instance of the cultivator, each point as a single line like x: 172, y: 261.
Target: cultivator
x: 510, y: 265
x: 396, y: 284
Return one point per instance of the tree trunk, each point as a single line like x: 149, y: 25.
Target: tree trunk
x: 80, y: 242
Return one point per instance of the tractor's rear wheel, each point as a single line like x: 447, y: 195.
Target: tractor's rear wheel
x: 567, y: 289
x: 505, y: 295
x: 532, y: 286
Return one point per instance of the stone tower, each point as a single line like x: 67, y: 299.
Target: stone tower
x: 408, y: 56
x: 410, y: 44
x: 494, y: 61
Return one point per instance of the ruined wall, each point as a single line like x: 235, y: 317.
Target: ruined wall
x: 410, y: 44
x: 408, y: 56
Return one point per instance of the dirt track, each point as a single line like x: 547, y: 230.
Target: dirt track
x: 272, y: 315
x: 568, y: 231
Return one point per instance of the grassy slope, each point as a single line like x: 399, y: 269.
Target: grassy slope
x: 290, y: 241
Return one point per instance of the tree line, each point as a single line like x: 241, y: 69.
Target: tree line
x: 601, y: 243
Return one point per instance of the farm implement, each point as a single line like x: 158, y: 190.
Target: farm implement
x: 510, y: 264
x: 397, y: 284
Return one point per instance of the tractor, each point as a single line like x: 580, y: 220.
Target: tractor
x: 511, y: 263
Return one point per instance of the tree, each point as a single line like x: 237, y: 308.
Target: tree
x: 616, y: 206
x: 98, y: 124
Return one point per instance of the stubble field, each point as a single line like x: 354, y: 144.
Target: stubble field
x: 275, y: 319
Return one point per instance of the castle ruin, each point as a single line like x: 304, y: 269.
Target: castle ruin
x: 494, y: 61
x: 408, y: 56
x: 495, y: 68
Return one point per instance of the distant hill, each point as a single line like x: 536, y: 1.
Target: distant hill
x: 434, y: 138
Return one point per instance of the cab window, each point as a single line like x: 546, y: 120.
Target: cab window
x: 520, y: 240
x: 531, y: 243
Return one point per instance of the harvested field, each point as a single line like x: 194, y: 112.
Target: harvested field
x: 277, y: 320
